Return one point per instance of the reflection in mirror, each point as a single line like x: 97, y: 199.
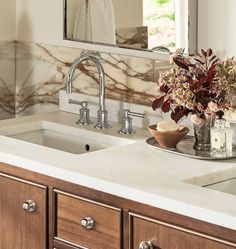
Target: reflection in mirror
x: 138, y: 24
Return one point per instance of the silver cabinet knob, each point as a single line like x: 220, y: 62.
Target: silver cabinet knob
x: 87, y: 223
x: 29, y: 206
x: 146, y: 245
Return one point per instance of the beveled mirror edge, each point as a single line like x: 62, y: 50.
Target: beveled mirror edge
x: 193, y: 26
x: 148, y: 54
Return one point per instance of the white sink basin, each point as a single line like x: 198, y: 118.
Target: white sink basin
x: 227, y: 186
x: 62, y: 137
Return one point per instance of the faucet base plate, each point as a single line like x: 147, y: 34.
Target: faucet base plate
x: 102, y: 120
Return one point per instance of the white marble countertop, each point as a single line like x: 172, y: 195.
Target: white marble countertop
x: 135, y: 171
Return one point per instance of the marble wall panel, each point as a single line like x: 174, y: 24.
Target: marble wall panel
x: 40, y: 75
x: 41, y: 71
x: 7, y: 79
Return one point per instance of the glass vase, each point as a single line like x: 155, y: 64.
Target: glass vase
x: 202, y: 135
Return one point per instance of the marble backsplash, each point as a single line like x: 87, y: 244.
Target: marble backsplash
x: 41, y: 71
x: 31, y: 76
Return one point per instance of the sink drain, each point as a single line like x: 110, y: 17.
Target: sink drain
x: 87, y: 147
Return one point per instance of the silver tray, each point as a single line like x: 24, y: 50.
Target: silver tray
x: 185, y: 148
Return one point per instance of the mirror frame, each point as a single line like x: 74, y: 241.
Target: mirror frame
x: 144, y: 53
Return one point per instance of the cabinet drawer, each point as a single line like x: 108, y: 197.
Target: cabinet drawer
x: 60, y: 245
x: 146, y: 233
x: 74, y: 223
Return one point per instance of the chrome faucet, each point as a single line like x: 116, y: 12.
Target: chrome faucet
x: 102, y: 114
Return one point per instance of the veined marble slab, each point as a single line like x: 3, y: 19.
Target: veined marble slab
x: 41, y: 73
x: 136, y: 37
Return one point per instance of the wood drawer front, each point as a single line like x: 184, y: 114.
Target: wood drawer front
x: 60, y: 245
x: 165, y: 236
x: 106, y: 232
x: 20, y: 229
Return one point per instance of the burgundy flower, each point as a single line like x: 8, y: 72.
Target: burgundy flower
x: 199, y: 84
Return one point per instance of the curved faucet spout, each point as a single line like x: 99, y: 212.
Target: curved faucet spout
x: 102, y: 113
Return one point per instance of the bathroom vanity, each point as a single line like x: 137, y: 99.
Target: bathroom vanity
x: 63, y: 210
x: 67, y: 187
x: 120, y: 196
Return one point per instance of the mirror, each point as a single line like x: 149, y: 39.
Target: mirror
x: 148, y: 25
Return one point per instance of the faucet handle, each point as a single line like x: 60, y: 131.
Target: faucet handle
x: 126, y: 121
x: 128, y: 113
x: 76, y: 102
x: 84, y: 111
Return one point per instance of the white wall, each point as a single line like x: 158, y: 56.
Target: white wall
x: 217, y: 21
x: 7, y: 20
x: 40, y: 21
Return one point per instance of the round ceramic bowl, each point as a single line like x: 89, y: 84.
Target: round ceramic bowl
x: 168, y: 139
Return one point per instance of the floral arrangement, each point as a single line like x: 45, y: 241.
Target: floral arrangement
x: 200, y: 85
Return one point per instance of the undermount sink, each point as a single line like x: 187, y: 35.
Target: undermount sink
x: 227, y: 186
x: 63, y: 137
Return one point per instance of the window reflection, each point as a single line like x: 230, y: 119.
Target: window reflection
x: 159, y: 16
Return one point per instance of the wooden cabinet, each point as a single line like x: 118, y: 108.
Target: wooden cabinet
x: 59, y: 245
x: 86, y: 223
x: 22, y: 227
x: 64, y: 211
x: 146, y: 233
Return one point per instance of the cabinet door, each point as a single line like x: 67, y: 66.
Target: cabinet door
x: 154, y: 234
x: 84, y: 223
x: 22, y: 226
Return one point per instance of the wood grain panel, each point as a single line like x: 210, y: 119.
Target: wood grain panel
x: 106, y: 233
x: 195, y: 225
x: 20, y: 229
x: 132, y: 206
x: 60, y: 245
x: 167, y: 237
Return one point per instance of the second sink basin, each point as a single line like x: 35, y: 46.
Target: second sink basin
x: 63, y: 137
x: 227, y: 186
